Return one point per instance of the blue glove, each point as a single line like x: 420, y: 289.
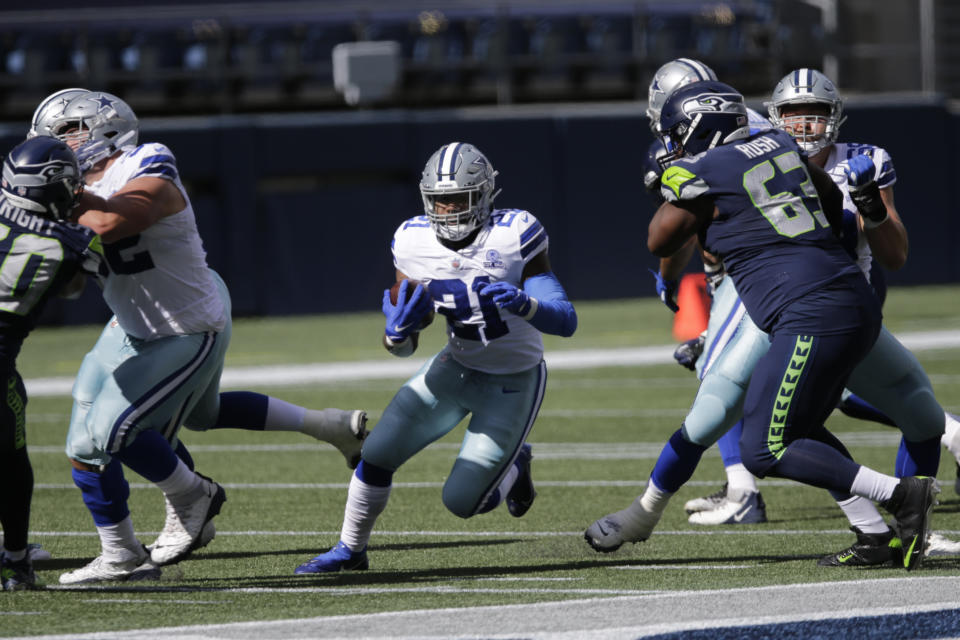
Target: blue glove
x: 859, y: 171
x: 506, y: 296
x: 667, y: 290
x: 688, y: 352
x: 405, y: 317
x: 864, y: 190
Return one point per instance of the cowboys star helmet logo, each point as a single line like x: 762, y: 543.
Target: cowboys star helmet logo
x: 104, y: 103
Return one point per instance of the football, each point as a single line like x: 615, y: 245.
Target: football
x: 395, y: 292
x: 395, y: 289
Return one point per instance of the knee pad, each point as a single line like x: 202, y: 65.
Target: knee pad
x: 467, y: 491
x: 717, y: 407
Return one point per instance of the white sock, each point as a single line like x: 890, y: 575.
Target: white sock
x: 365, y: 503
x: 654, y: 499
x: 283, y: 416
x: 181, y: 482
x: 118, y: 541
x: 951, y: 435
x: 873, y: 484
x: 863, y: 515
x: 739, y: 478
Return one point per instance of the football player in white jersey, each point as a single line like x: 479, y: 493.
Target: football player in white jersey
x: 487, y: 272
x: 157, y: 364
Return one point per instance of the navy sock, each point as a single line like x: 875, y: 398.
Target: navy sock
x: 374, y: 475
x: 150, y: 455
x: 242, y: 410
x: 677, y: 462
x: 918, y: 458
x: 860, y: 409
x: 184, y: 455
x: 105, y: 494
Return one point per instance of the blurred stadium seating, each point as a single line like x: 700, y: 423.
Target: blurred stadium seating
x: 236, y: 58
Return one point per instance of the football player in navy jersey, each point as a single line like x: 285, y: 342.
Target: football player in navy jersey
x: 755, y: 202
x: 157, y: 364
x: 487, y: 272
x: 806, y: 104
x: 41, y: 255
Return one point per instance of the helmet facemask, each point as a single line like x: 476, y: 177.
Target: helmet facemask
x: 807, y: 87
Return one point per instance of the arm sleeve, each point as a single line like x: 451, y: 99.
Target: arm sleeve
x: 553, y: 313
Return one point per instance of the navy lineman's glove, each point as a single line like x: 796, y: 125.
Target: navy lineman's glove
x: 405, y: 317
x: 687, y: 353
x: 652, y: 171
x: 667, y: 291
x: 506, y: 296
x: 864, y: 190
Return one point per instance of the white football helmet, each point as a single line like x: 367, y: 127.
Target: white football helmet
x: 50, y: 109
x: 101, y: 122
x: 458, y: 172
x: 807, y: 86
x: 669, y: 77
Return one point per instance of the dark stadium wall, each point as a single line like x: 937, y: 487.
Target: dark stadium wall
x: 297, y: 212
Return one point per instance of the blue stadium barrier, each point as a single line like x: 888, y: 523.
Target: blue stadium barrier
x: 297, y: 211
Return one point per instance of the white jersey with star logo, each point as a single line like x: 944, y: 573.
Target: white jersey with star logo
x: 480, y: 335
x: 158, y: 283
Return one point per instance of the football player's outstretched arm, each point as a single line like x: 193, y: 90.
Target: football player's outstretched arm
x: 888, y: 240
x: 542, y: 302
x: 675, y: 223
x: 132, y: 209
x: 878, y: 216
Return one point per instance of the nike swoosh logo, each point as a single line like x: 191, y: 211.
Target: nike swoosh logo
x: 743, y: 514
x: 505, y: 390
x: 602, y: 530
x: 400, y: 329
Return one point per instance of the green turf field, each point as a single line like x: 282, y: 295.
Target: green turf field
x: 598, y: 435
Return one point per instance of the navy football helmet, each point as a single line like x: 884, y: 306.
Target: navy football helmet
x: 41, y: 175
x: 700, y: 116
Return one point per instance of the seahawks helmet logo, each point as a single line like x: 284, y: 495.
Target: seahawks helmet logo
x: 712, y: 103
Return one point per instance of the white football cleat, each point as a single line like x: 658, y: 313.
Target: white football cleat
x: 707, y: 503
x: 136, y: 566
x: 186, y: 518
x: 937, y: 545
x: 343, y: 429
x: 34, y: 550
x: 207, y: 534
x: 633, y: 524
x: 739, y: 507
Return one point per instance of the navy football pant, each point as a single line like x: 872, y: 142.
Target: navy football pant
x: 794, y: 388
x: 16, y: 474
